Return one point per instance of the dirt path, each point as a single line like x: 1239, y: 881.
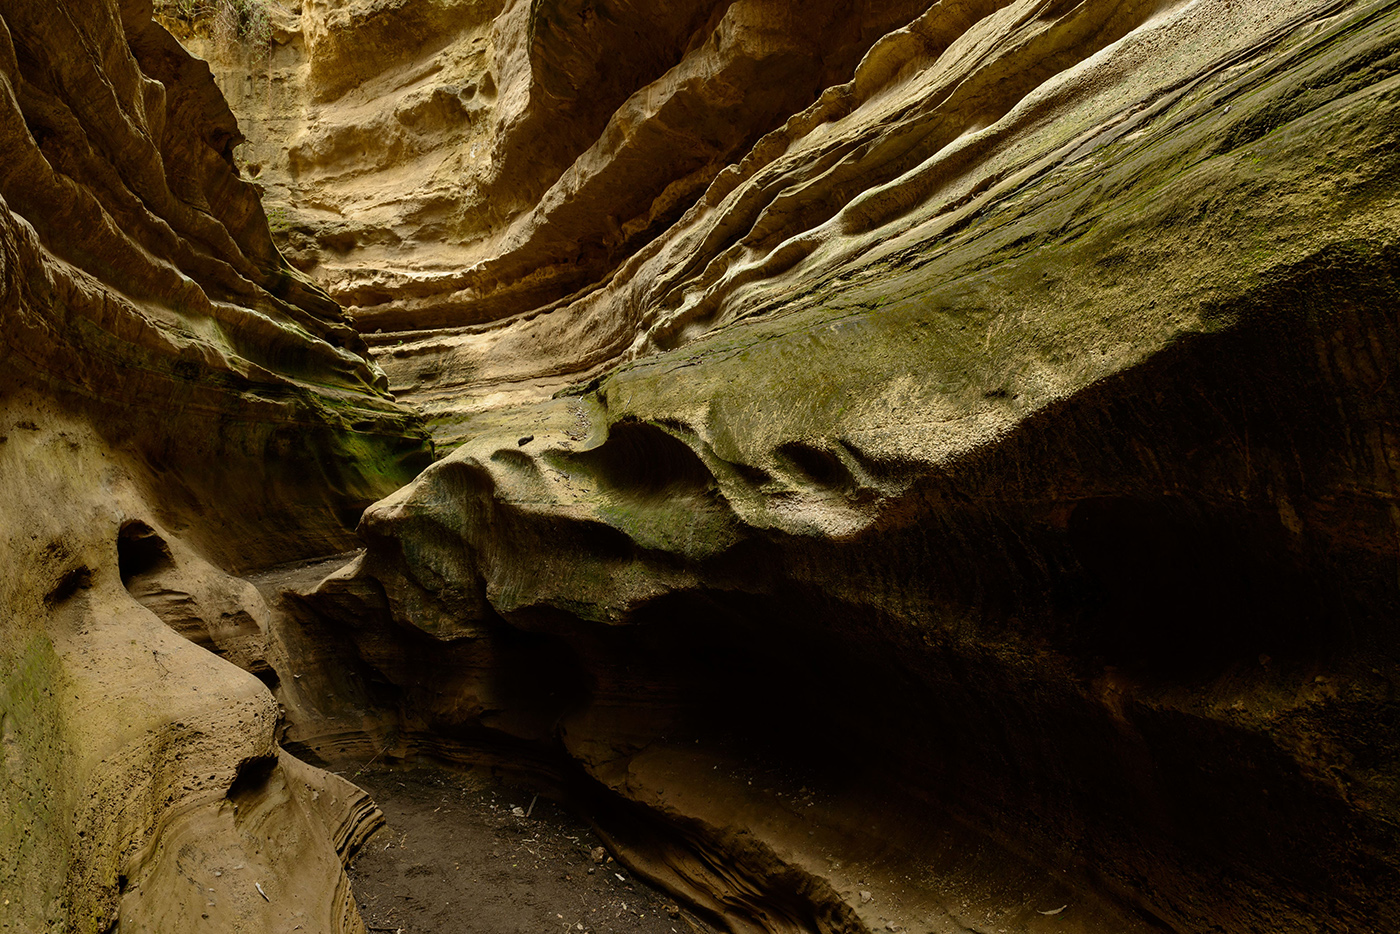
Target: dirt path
x: 458, y: 858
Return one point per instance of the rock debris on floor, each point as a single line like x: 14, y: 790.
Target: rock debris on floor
x: 465, y: 853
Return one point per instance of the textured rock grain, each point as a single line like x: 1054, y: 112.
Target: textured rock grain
x: 906, y: 466
x: 175, y: 402
x: 142, y: 287
x: 1010, y: 416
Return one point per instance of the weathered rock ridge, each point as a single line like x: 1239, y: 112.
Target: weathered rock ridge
x: 911, y: 467
x: 175, y: 401
x: 986, y: 425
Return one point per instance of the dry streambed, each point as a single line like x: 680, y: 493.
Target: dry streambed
x: 465, y: 853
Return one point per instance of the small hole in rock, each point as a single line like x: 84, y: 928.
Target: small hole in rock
x: 72, y: 582
x: 252, y: 775
x: 140, y: 551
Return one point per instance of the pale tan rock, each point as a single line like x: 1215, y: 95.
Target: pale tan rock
x: 143, y: 771
x: 165, y: 376
x: 942, y: 406
x: 524, y: 151
x: 223, y: 614
x: 966, y: 445
x: 141, y: 286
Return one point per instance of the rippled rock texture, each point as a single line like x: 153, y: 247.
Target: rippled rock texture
x: 919, y: 467
x: 907, y: 467
x: 175, y: 401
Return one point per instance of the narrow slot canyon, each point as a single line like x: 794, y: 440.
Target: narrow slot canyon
x: 707, y: 467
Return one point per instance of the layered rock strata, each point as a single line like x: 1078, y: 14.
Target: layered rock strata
x: 175, y: 402
x: 142, y: 286
x: 997, y: 458
x: 919, y: 468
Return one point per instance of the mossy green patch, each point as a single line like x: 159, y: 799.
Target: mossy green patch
x: 36, y: 806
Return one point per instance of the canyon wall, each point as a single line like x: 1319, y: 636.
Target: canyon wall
x: 902, y: 466
x: 977, y: 416
x: 175, y: 402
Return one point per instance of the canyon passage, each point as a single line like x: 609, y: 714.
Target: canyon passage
x: 702, y: 465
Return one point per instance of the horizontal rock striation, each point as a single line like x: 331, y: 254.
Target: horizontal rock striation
x: 907, y: 467
x: 175, y: 402
x: 490, y: 158
x: 141, y: 286
x: 981, y: 498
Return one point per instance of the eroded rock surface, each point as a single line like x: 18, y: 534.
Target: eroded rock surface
x: 142, y: 287
x: 953, y: 485
x: 175, y: 403
x: 917, y: 468
x: 145, y: 786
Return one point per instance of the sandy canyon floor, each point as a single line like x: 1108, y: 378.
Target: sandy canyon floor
x: 456, y: 858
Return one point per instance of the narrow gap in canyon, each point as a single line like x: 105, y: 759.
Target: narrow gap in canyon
x: 700, y: 466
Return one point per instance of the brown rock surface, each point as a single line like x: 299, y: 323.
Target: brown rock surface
x: 174, y: 401
x: 143, y: 778
x: 908, y: 467
x: 999, y: 449
x: 141, y: 286
x: 505, y: 163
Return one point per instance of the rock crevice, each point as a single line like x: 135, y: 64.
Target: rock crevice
x: 894, y: 467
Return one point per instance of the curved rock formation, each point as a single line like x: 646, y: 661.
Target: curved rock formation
x: 173, y: 396
x: 908, y: 467
x: 142, y: 286
x: 982, y: 444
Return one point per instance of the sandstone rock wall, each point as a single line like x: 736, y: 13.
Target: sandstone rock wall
x: 998, y: 433
x: 521, y: 153
x: 142, y: 288
x: 907, y: 466
x: 175, y: 401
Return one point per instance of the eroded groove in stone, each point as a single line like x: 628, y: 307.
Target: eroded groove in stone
x: 1027, y: 382
x: 175, y: 403
x: 900, y: 467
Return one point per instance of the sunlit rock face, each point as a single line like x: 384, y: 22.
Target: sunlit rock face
x: 915, y: 468
x: 175, y: 402
x: 142, y: 288
x: 445, y: 165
